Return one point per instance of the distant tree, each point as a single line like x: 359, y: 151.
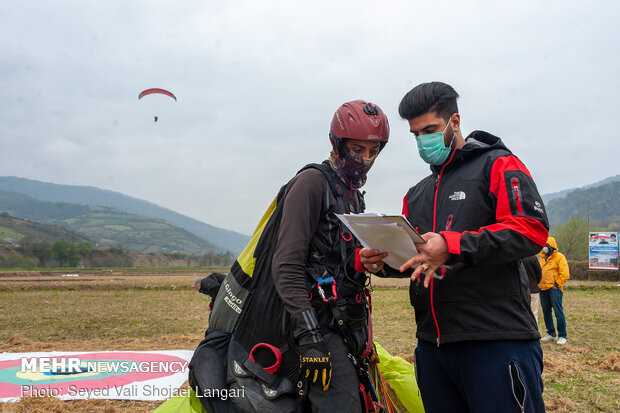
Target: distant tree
x: 14, y: 259
x: 30, y: 262
x: 84, y: 249
x: 614, y: 226
x: 572, y: 238
x: 60, y: 252
x: 45, y: 255
x: 73, y: 257
x: 212, y: 257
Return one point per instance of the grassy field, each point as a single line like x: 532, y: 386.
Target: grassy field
x: 155, y: 309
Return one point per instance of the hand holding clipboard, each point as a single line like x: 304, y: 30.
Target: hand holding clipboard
x: 388, y: 233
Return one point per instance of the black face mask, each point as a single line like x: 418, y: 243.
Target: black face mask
x: 351, y: 167
x: 549, y: 251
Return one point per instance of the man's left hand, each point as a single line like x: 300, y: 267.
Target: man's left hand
x: 431, y: 255
x: 372, y: 259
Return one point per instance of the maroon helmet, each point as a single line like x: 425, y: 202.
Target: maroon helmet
x: 361, y: 120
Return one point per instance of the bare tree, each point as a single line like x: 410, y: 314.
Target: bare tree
x: 572, y: 238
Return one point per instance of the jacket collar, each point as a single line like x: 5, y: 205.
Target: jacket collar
x: 476, y: 143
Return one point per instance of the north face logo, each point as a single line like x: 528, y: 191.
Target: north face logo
x: 457, y: 196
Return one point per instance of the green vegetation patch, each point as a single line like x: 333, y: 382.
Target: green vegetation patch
x: 9, y: 233
x: 118, y: 227
x: 151, y: 225
x: 114, y: 216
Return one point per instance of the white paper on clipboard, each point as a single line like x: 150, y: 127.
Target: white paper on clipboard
x: 387, y: 233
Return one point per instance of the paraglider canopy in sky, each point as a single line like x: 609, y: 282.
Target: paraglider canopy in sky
x: 156, y: 90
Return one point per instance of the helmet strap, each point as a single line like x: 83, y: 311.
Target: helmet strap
x: 338, y: 145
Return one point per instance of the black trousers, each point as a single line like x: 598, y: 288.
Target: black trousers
x: 481, y: 376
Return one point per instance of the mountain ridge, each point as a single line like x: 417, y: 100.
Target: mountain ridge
x: 560, y: 207
x: 227, y: 240
x: 107, y: 227
x: 596, y: 203
x: 563, y: 193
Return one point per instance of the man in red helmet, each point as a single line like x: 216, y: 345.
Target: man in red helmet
x: 314, y: 260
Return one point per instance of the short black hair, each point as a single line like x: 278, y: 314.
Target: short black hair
x: 435, y: 97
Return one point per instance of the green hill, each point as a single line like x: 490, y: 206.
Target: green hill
x: 561, y: 194
x: 603, y: 203
x: 224, y: 239
x: 107, y: 227
x: 15, y: 230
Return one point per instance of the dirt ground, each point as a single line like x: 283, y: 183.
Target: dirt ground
x: 164, y: 278
x: 147, y: 309
x: 147, y: 278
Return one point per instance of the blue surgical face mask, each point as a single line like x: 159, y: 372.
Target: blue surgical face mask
x: 432, y: 148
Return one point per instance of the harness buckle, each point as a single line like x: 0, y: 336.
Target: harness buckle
x: 321, y: 292
x: 323, y: 281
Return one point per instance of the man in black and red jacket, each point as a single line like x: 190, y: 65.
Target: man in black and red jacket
x: 480, y: 214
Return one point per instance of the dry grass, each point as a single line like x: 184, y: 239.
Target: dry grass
x: 580, y: 376
x: 611, y: 363
x: 53, y: 405
x: 102, y: 279
x: 158, y: 309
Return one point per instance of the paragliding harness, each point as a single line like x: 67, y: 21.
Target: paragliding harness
x: 241, y: 339
x: 368, y: 397
x: 359, y: 340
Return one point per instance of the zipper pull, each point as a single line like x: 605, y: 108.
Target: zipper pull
x: 516, y: 193
x: 515, y: 189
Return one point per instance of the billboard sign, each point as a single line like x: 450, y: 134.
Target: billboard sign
x: 603, y: 247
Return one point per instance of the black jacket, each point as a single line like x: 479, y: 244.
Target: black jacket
x: 534, y: 272
x: 485, y: 204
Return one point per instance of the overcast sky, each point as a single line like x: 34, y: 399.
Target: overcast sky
x: 257, y: 84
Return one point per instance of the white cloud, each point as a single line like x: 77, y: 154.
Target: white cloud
x: 258, y: 82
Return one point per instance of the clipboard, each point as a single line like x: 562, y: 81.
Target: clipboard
x: 390, y: 233
x: 402, y: 222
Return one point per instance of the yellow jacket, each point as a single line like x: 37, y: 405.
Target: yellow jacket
x: 554, y: 268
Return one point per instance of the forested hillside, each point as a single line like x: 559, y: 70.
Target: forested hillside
x: 14, y: 231
x: 222, y: 239
x: 107, y: 227
x: 27, y: 244
x: 602, y: 202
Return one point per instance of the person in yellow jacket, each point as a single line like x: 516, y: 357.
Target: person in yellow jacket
x: 554, y: 274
